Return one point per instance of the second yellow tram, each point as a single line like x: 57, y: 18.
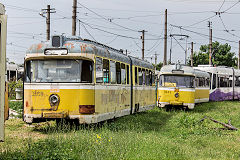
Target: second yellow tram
x: 182, y: 85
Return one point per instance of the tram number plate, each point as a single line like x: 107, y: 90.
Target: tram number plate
x: 167, y: 92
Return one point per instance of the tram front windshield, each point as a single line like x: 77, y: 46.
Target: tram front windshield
x: 178, y: 81
x: 44, y: 71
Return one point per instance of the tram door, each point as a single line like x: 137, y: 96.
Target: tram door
x: 3, y: 27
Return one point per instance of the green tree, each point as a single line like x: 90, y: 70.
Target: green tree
x: 159, y: 66
x: 222, y: 55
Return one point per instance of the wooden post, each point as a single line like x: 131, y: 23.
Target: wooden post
x: 210, y: 42
x: 192, y: 55
x: 3, y: 34
x: 143, y: 39
x: 48, y: 11
x: 165, y: 41
x: 74, y: 17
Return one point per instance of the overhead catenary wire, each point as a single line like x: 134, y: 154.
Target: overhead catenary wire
x: 21, y: 8
x: 88, y: 32
x: 221, y: 5
x: 231, y: 6
x: 228, y: 31
x: 200, y: 21
x: 202, y: 34
x: 124, y: 36
x: 112, y: 40
x: 107, y: 19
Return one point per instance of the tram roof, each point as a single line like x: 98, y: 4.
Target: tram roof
x: 177, y: 68
x: 79, y: 45
x: 200, y: 73
x: 222, y: 70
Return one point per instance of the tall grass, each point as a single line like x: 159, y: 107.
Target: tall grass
x: 156, y: 134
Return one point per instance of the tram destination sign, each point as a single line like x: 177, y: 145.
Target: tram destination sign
x: 54, y: 51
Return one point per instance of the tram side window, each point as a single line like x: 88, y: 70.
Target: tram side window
x: 113, y: 71
x: 144, y: 76
x: 160, y: 80
x: 197, y: 82
x: 223, y: 82
x: 123, y: 73
x: 140, y: 75
x: 136, y: 75
x: 207, y: 82
x: 201, y: 82
x: 86, y: 76
x: 210, y: 80
x: 106, y: 71
x: 118, y: 72
x: 150, y: 78
x: 28, y: 71
x: 237, y: 82
x: 214, y: 85
x: 230, y: 81
x: 147, y: 78
x: 99, y: 70
x: 152, y: 81
x: 127, y: 74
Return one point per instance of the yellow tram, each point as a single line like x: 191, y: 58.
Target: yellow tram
x: 78, y: 79
x: 182, y: 85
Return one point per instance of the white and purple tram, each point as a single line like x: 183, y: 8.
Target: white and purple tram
x: 224, y: 82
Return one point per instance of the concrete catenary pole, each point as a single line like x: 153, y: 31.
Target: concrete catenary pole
x: 155, y: 61
x: 74, y: 18
x: 192, y: 55
x: 210, y: 42
x: 48, y: 11
x: 165, y: 40
x: 48, y: 22
x: 143, y: 42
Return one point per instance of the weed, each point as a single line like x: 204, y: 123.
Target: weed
x: 156, y: 134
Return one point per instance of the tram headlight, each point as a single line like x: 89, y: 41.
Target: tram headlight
x: 177, y: 95
x: 54, y: 100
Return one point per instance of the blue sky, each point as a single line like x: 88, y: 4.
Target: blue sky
x: 26, y: 26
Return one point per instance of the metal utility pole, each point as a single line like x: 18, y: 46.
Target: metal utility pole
x: 143, y: 38
x: 239, y: 56
x: 210, y: 42
x: 74, y: 18
x: 48, y: 11
x: 165, y: 41
x: 192, y: 55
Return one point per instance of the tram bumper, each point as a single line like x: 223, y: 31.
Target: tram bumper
x: 62, y: 114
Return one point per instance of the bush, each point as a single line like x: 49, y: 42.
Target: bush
x: 12, y: 87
